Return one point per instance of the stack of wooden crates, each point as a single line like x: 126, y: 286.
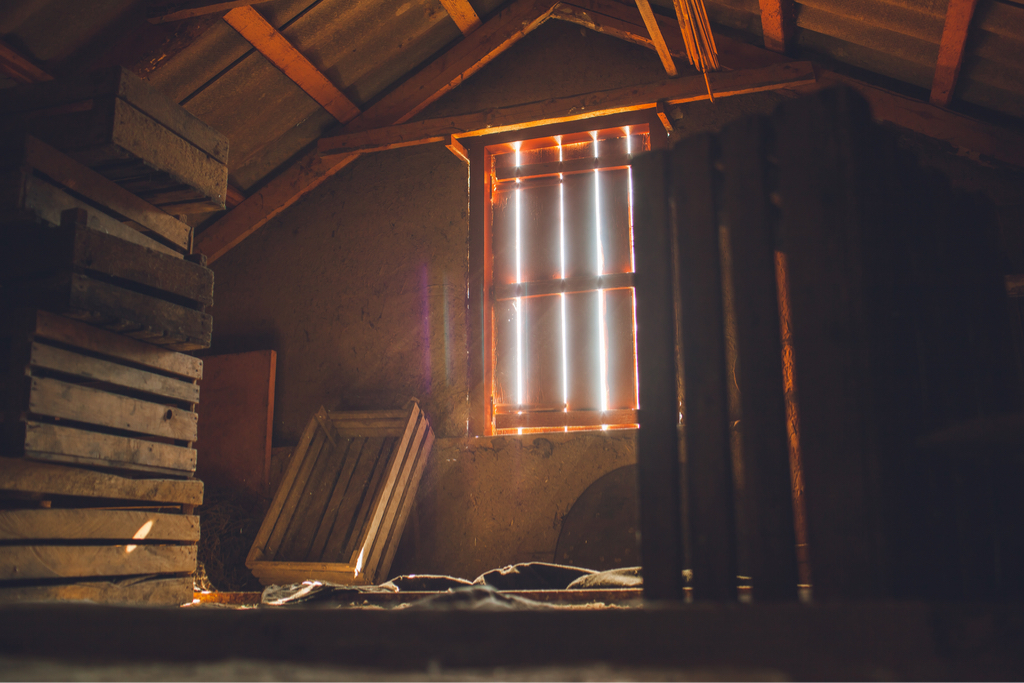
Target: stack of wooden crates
x: 99, y: 297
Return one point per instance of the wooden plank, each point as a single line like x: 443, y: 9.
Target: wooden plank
x: 19, y: 562
x: 55, y: 327
x: 574, y: 108
x: 112, y: 256
x: 282, y: 54
x: 303, y: 464
x: 479, y: 324
x: 340, y: 494
x: 778, y: 23
x: 161, y: 11
x: 571, y: 418
x: 401, y: 104
x: 236, y: 420
x: 291, y: 572
x: 405, y: 508
x: 951, y: 50
x: 371, y: 462
x: 767, y: 531
x: 86, y: 524
x: 553, y: 168
x: 463, y: 14
x: 172, y: 592
x: 657, y: 39
x: 573, y: 284
x: 456, y: 148
x: 19, y: 68
x: 708, y: 456
x: 67, y: 444
x: 57, y: 480
x: 54, y: 398
x: 86, y: 367
x: 94, y: 187
x: 658, y: 464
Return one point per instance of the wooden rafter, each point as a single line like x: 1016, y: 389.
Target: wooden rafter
x: 463, y: 14
x: 160, y: 11
x: 962, y: 132
x: 951, y: 50
x: 574, y: 108
x: 778, y: 23
x: 19, y: 68
x: 444, y: 73
x: 282, y: 54
x: 656, y: 37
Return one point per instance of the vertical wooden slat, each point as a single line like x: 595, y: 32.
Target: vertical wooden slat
x: 621, y: 358
x: 580, y: 229
x: 658, y: 437
x: 317, y: 513
x: 768, y: 533
x: 543, y: 324
x: 539, y: 232
x: 478, y: 320
x: 708, y: 456
x: 284, y: 519
x: 615, y: 221
x: 584, y: 346
x: 366, y: 452
x: 339, y: 485
x: 384, y: 453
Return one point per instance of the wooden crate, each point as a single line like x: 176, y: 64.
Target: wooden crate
x: 340, y: 510
x: 77, y: 394
x: 124, y: 128
x: 38, y: 183
x: 102, y: 279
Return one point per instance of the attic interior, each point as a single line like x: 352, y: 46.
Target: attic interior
x: 857, y: 520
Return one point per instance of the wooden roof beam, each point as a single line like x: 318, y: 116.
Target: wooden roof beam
x: 951, y: 50
x: 160, y: 11
x: 575, y: 108
x: 19, y: 68
x: 282, y: 54
x: 463, y: 14
x: 651, y: 22
x: 401, y: 104
x: 778, y: 23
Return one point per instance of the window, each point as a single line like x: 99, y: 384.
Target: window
x: 552, y: 274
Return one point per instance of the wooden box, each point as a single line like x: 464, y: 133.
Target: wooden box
x: 344, y: 500
x: 68, y: 533
x: 104, y: 280
x: 38, y: 183
x: 124, y: 128
x: 80, y: 395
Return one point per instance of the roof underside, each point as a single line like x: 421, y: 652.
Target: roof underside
x: 366, y: 47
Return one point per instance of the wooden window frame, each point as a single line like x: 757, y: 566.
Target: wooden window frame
x: 481, y: 286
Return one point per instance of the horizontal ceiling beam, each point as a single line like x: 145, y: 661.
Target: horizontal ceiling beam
x: 575, y: 108
x: 951, y: 50
x: 444, y: 73
x: 19, y: 68
x: 269, y: 42
x: 160, y: 11
x: 463, y: 14
x: 778, y: 23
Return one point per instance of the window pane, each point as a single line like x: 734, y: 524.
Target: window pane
x: 503, y: 234
x: 539, y: 237
x: 584, y: 351
x: 543, y: 328
x: 621, y: 365
x: 615, y: 221
x: 580, y: 230
x: 505, y: 357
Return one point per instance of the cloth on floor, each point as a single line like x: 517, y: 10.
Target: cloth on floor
x: 426, y: 582
x: 316, y: 591
x: 532, y: 576
x: 481, y: 597
x: 627, y: 577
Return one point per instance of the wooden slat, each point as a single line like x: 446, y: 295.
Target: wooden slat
x: 767, y: 531
x: 86, y: 367
x: 86, y: 524
x: 574, y: 108
x: 282, y: 54
x: 290, y: 572
x: 656, y: 38
x: 172, y: 592
x: 303, y: 464
x: 708, y: 456
x: 19, y: 562
x: 778, y: 22
x: 331, y: 516
x: 58, y: 443
x: 540, y: 170
x: 572, y: 418
x: 56, y: 480
x: 479, y: 324
x: 54, y: 398
x: 951, y: 50
x: 94, y: 187
x: 160, y: 11
x: 374, y: 457
x: 19, y: 68
x: 573, y: 284
x: 463, y: 14
x: 401, y: 104
x: 658, y: 467
x: 456, y: 148
x: 405, y: 507
x: 55, y: 327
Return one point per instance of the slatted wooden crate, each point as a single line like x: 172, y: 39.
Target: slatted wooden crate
x: 124, y: 128
x: 71, y: 533
x: 81, y: 395
x: 344, y: 500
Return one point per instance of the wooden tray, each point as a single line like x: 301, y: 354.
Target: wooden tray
x: 341, y: 508
x: 124, y: 128
x: 77, y: 394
